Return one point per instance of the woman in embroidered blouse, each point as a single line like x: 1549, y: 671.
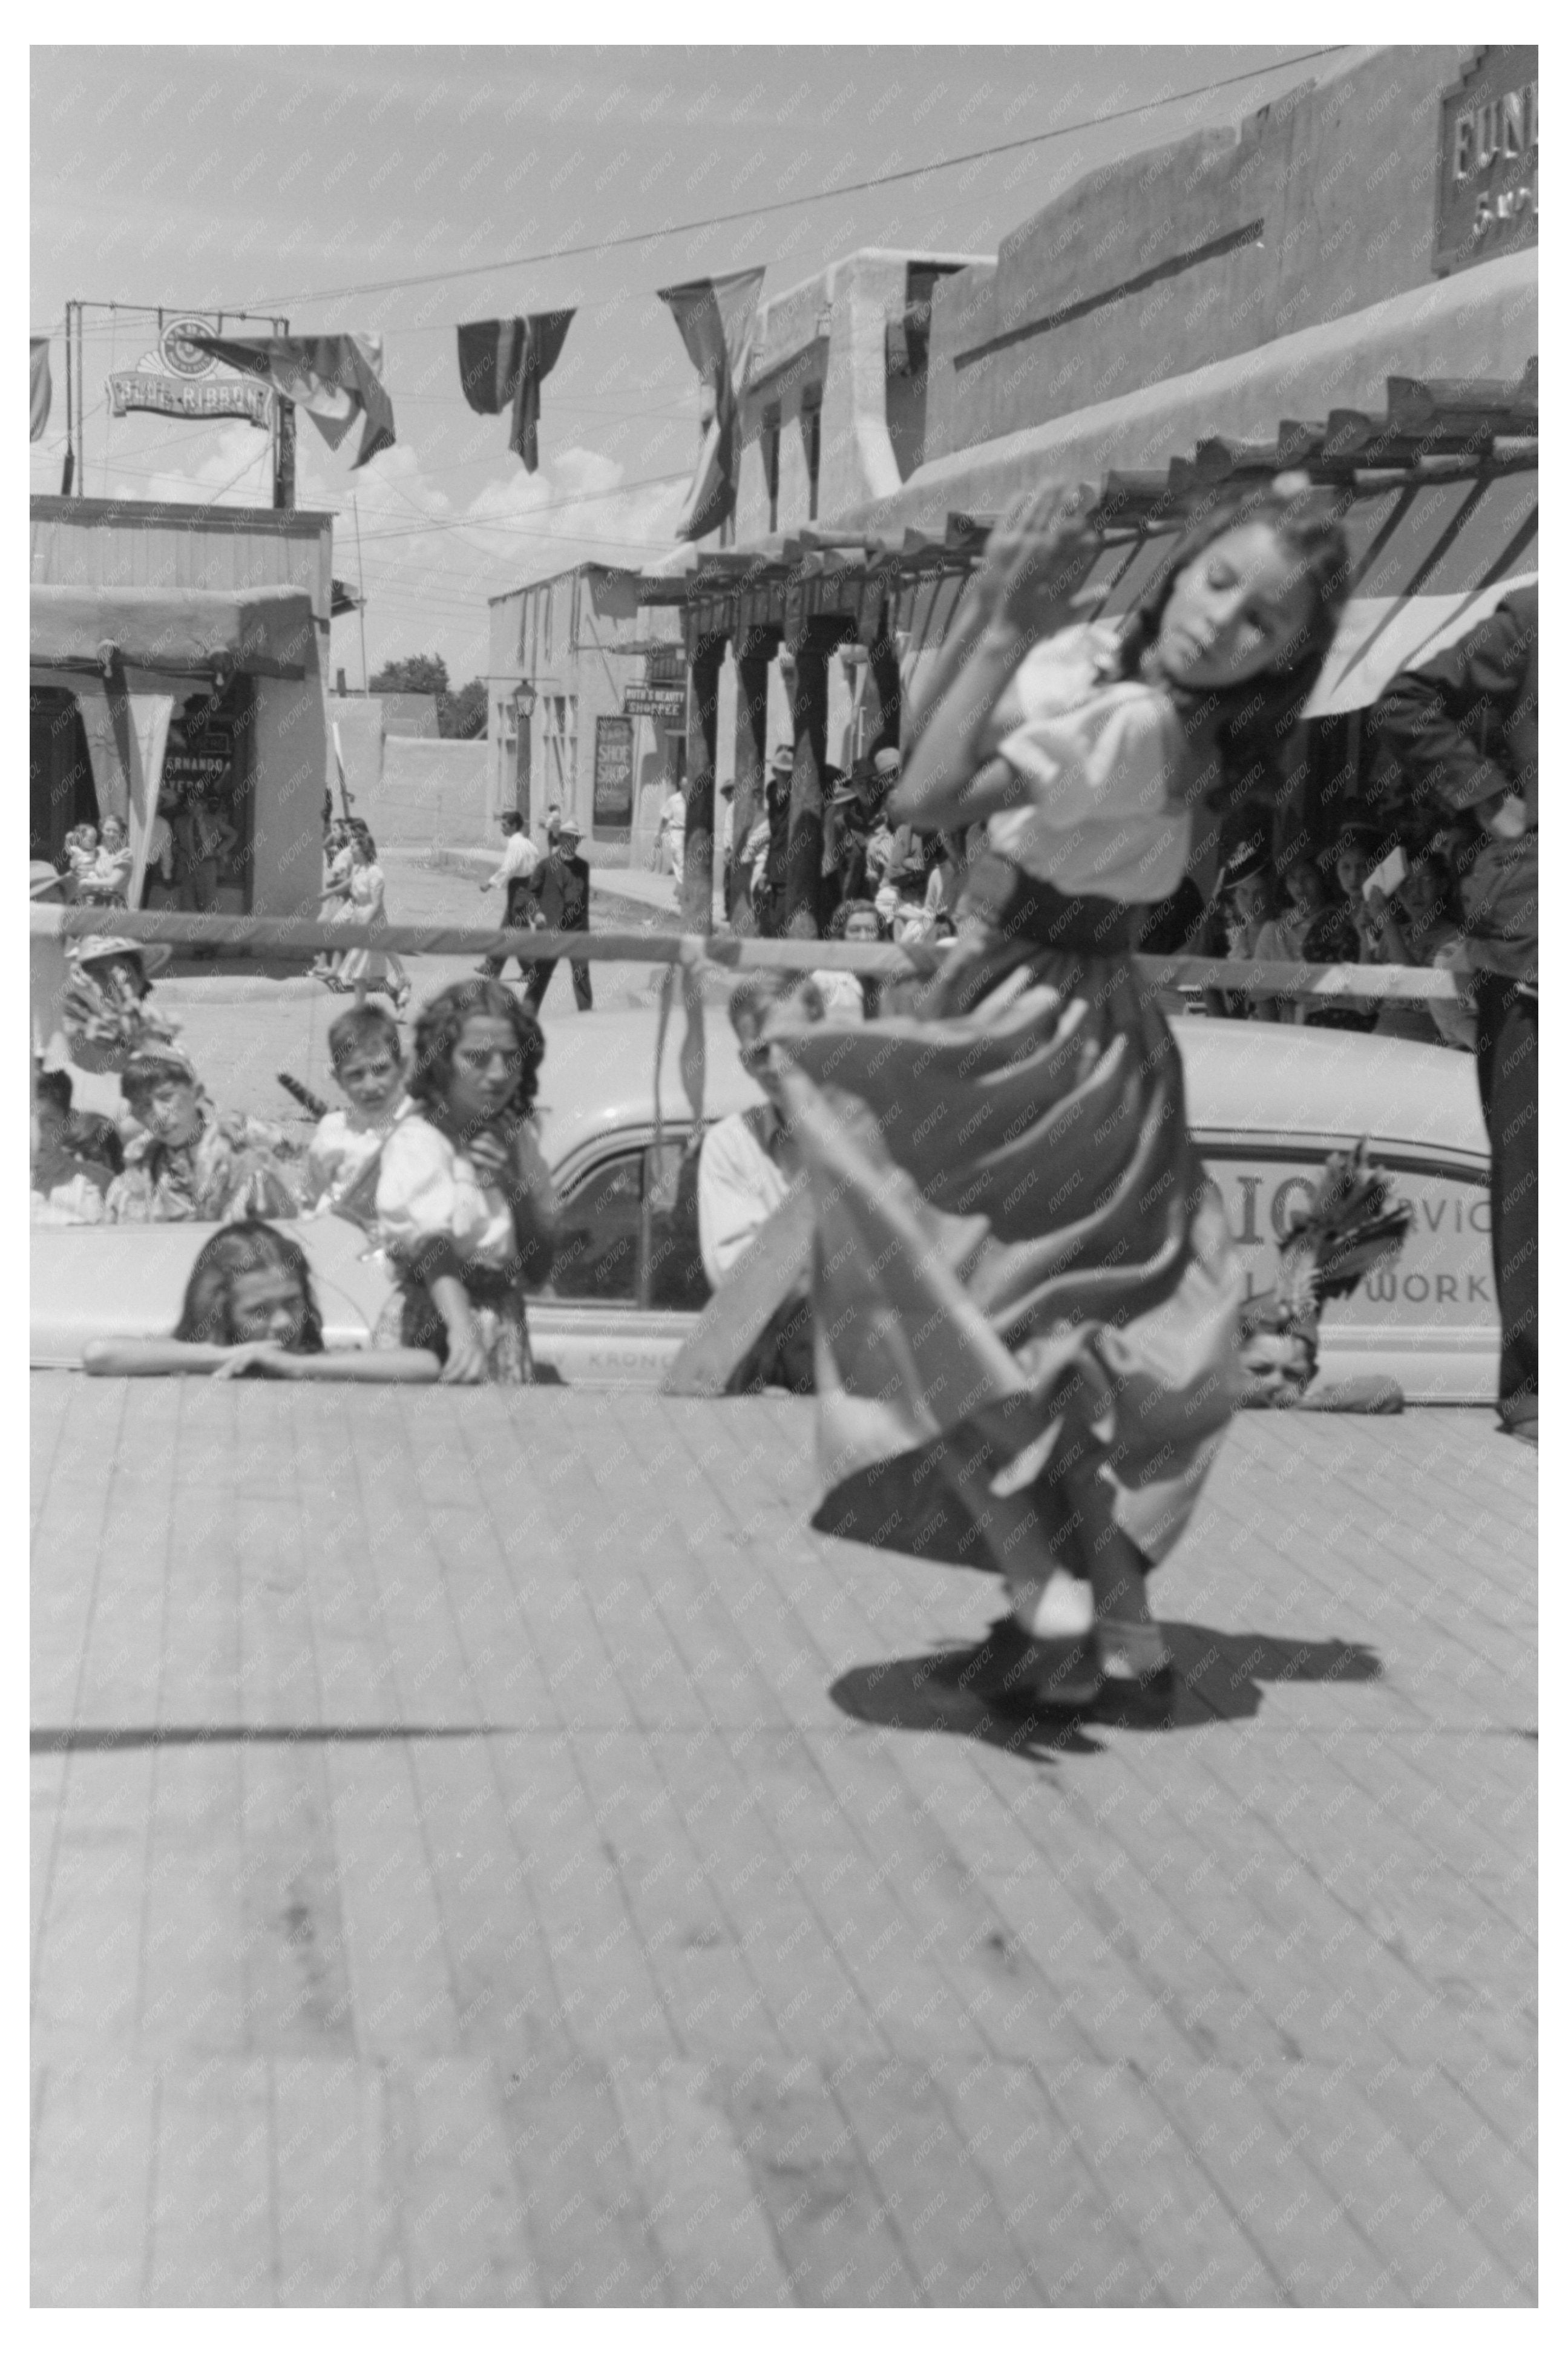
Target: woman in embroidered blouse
x: 1024, y: 1283
x: 463, y: 1200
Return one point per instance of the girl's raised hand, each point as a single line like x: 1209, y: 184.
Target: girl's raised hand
x: 1039, y: 556
x: 464, y: 1365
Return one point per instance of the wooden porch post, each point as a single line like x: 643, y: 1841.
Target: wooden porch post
x: 884, y: 699
x: 754, y: 651
x: 701, y: 760
x: 803, y: 882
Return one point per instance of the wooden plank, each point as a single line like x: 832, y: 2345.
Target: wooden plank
x: 610, y: 1999
x: 938, y: 2202
x: 398, y: 1966
x: 296, y: 1992
x: 356, y: 1672
x: 464, y: 2233
x: 199, y: 1679
x: 337, y: 2197
x: 123, y: 1657
x: 503, y: 1973
x: 192, y: 1972
x: 705, y: 2214
x: 588, y: 2220
x: 688, y: 1934
x: 212, y: 2209
x: 48, y: 1784
x: 824, y: 2205
x: 93, y: 2181
x: 88, y: 1995
x: 1075, y: 2240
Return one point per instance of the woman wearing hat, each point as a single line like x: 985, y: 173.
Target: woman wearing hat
x: 104, y: 1005
x: 1025, y: 1299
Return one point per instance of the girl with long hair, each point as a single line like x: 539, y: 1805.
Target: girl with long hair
x: 1026, y: 1298
x: 463, y: 1200
x: 250, y: 1308
x: 364, y: 910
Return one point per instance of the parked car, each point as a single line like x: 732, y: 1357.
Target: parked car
x: 1267, y: 1104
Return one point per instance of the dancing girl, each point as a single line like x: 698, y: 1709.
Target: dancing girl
x: 1025, y: 1296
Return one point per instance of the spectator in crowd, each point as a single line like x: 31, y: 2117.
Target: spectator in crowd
x: 1307, y: 896
x: 81, y: 856
x: 250, y: 1309
x: 365, y: 967
x: 515, y: 876
x: 726, y: 845
x: 1250, y: 929
x: 552, y: 826
x: 107, y: 882
x: 672, y: 834
x: 767, y: 847
x: 187, y: 1161
x: 1464, y: 728
x: 1416, y: 926
x: 86, y: 1133
x: 203, y: 838
x: 845, y: 994
x: 463, y: 1197
x: 337, y: 865
x: 746, y: 1167
x: 560, y: 887
x: 367, y: 1064
x: 106, y: 1010
x: 857, y: 809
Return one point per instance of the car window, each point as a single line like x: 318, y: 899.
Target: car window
x: 674, y: 1271
x: 601, y: 1225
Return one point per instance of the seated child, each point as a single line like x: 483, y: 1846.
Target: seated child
x: 189, y: 1162
x: 250, y: 1308
x: 463, y: 1198
x: 70, y: 1171
x: 345, y: 1151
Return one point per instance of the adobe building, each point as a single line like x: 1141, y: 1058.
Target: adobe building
x: 1345, y: 284
x: 184, y: 650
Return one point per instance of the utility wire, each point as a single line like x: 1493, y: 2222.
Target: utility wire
x: 790, y: 203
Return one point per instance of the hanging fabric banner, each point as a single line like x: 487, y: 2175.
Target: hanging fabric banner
x: 334, y: 378
x: 503, y: 362
x: 716, y: 316
x: 41, y: 389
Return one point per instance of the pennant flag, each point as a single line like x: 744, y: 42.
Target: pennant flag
x: 716, y: 316
x: 42, y: 389
x: 334, y: 378
x: 507, y: 360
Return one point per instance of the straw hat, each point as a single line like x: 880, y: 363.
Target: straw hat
x: 153, y: 953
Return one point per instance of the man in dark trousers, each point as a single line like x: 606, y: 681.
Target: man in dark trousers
x: 1463, y: 729
x: 560, y: 886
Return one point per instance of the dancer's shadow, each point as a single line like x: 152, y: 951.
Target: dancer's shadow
x: 1219, y: 1678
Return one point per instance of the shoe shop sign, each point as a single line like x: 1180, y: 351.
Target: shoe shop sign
x: 178, y: 380
x: 1486, y: 168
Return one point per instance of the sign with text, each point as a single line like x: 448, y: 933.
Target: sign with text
x: 612, y: 774
x: 1486, y: 203
x: 178, y: 380
x: 654, y: 702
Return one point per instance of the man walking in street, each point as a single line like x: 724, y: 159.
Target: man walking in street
x: 1463, y: 728
x: 519, y: 861
x: 560, y: 888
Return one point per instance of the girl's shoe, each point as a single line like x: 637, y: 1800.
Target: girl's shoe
x: 1013, y: 1672
x: 1139, y: 1673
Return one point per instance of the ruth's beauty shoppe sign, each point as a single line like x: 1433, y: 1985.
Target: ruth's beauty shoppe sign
x: 1486, y: 203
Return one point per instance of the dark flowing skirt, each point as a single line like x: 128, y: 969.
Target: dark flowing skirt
x: 1021, y: 1266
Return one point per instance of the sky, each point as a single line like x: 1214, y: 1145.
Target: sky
x: 301, y: 179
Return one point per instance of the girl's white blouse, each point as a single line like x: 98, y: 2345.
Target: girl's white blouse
x: 428, y: 1187
x: 1105, y: 769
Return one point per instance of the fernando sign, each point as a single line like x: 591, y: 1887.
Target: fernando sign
x: 177, y: 380
x: 1487, y: 201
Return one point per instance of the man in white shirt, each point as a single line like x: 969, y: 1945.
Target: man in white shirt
x: 518, y: 863
x: 672, y: 832
x: 747, y: 1165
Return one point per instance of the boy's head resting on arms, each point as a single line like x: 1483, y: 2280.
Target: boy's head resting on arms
x: 252, y: 1284
x: 476, y: 1054
x: 163, y: 1092
x: 367, y: 1058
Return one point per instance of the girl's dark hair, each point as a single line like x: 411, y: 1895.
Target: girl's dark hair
x: 838, y: 921
x: 250, y: 1246
x: 440, y: 1026
x: 362, y: 839
x: 1251, y: 721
